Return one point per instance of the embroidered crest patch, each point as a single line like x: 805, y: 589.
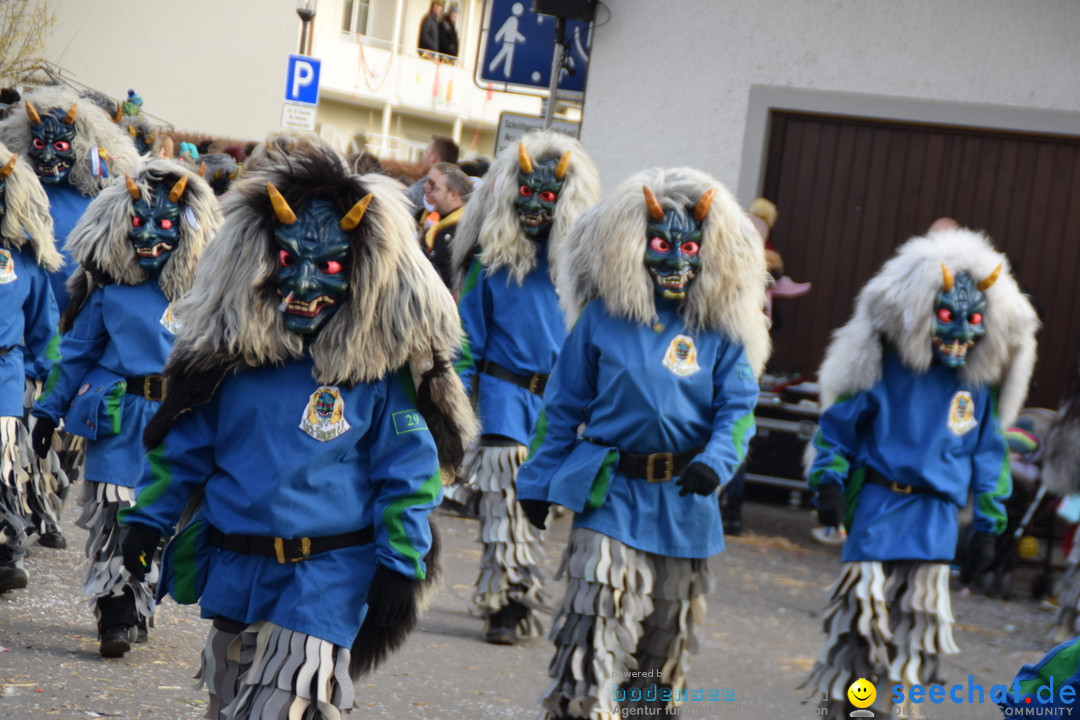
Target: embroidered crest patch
x: 681, y: 356
x: 7, y: 267
x: 962, y: 413
x: 169, y: 321
x: 324, y: 416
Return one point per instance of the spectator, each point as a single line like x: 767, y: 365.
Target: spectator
x: 448, y: 39
x: 475, y: 167
x: 447, y: 190
x: 428, y: 42
x: 440, y: 149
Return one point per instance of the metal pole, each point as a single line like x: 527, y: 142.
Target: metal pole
x: 556, y: 69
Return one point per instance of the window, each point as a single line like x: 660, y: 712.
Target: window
x: 355, y: 16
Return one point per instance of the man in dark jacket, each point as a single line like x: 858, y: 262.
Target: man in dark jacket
x: 428, y: 42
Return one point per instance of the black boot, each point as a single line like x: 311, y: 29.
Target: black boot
x: 117, y: 623
x: 502, y: 626
x: 53, y: 538
x: 11, y: 577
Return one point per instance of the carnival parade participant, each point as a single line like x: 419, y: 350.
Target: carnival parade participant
x: 28, y: 339
x: 137, y: 246
x: 648, y: 412
x: 311, y: 538
x: 512, y: 233
x: 916, y: 389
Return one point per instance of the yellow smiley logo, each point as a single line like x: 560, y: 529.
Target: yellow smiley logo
x: 862, y: 693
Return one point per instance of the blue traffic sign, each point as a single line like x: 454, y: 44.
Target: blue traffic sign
x: 302, y: 80
x: 518, y: 46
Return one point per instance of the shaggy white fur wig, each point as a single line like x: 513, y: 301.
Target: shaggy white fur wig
x: 491, y: 219
x: 100, y: 244
x: 606, y: 259
x: 27, y: 218
x: 93, y: 129
x: 897, y: 306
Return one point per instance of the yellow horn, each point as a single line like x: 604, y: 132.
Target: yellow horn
x: 947, y: 277
x: 202, y: 169
x: 281, y: 208
x: 703, y: 203
x: 32, y: 113
x: 132, y: 188
x: 69, y: 119
x: 655, y: 211
x: 523, y: 159
x: 178, y: 189
x: 989, y: 279
x: 564, y: 162
x: 355, y: 214
x: 131, y: 130
x: 8, y: 166
x: 119, y: 114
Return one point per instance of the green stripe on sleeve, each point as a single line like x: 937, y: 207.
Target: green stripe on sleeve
x: 738, y: 434
x: 600, y: 483
x: 467, y: 359
x: 395, y: 528
x: 1060, y: 666
x: 162, y: 475
x: 540, y: 432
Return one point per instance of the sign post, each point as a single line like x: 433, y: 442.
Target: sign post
x: 301, y: 93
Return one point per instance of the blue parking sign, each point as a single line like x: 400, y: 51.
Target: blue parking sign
x: 302, y: 80
x: 518, y: 46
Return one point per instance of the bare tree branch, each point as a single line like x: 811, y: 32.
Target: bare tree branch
x: 24, y: 25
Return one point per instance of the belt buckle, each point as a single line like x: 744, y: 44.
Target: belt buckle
x: 148, y: 391
x: 536, y: 383
x: 669, y: 466
x: 902, y: 489
x: 279, y: 550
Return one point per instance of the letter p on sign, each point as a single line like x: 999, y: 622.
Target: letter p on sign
x: 302, y: 80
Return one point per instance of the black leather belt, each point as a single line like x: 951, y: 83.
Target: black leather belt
x: 656, y: 467
x: 534, y: 383
x: 151, y: 387
x: 288, y: 550
x: 875, y: 478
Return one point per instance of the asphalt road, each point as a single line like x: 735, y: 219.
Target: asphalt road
x: 760, y: 639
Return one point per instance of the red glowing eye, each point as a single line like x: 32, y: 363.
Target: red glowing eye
x: 62, y: 145
x: 165, y: 224
x: 659, y: 245
x: 944, y: 315
x: 548, y: 196
x: 690, y: 248
x: 136, y: 222
x: 525, y: 191
x: 285, y: 259
x: 975, y: 319
x: 330, y: 267
x: 39, y: 144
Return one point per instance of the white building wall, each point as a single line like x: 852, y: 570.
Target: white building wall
x: 211, y: 66
x: 670, y: 82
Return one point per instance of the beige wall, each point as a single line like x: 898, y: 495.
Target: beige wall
x: 203, y: 65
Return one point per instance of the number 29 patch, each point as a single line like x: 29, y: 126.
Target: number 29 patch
x: 407, y: 421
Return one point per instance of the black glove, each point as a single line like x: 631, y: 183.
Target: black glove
x: 391, y: 598
x: 41, y: 437
x: 830, y: 505
x: 982, y: 550
x: 698, y: 478
x: 138, y: 545
x: 536, y: 511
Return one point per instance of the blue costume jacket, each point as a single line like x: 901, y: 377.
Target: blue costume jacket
x: 28, y: 326
x: 517, y: 326
x: 122, y: 331
x: 66, y: 205
x: 641, y: 389
x: 927, y: 430
x: 278, y: 455
x: 1043, y: 683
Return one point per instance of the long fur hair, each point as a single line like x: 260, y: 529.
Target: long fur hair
x: 94, y: 129
x: 491, y: 223
x: 27, y: 218
x: 100, y: 244
x: 606, y: 251
x: 897, y: 307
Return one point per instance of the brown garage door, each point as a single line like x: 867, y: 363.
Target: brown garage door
x: 849, y: 190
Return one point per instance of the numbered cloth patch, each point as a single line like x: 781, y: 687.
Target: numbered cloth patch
x: 324, y: 416
x: 406, y: 421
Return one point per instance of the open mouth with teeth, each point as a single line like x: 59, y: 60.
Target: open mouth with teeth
x: 310, y: 308
x: 534, y: 220
x: 673, y: 282
x: 53, y: 171
x: 154, y: 251
x: 955, y: 351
